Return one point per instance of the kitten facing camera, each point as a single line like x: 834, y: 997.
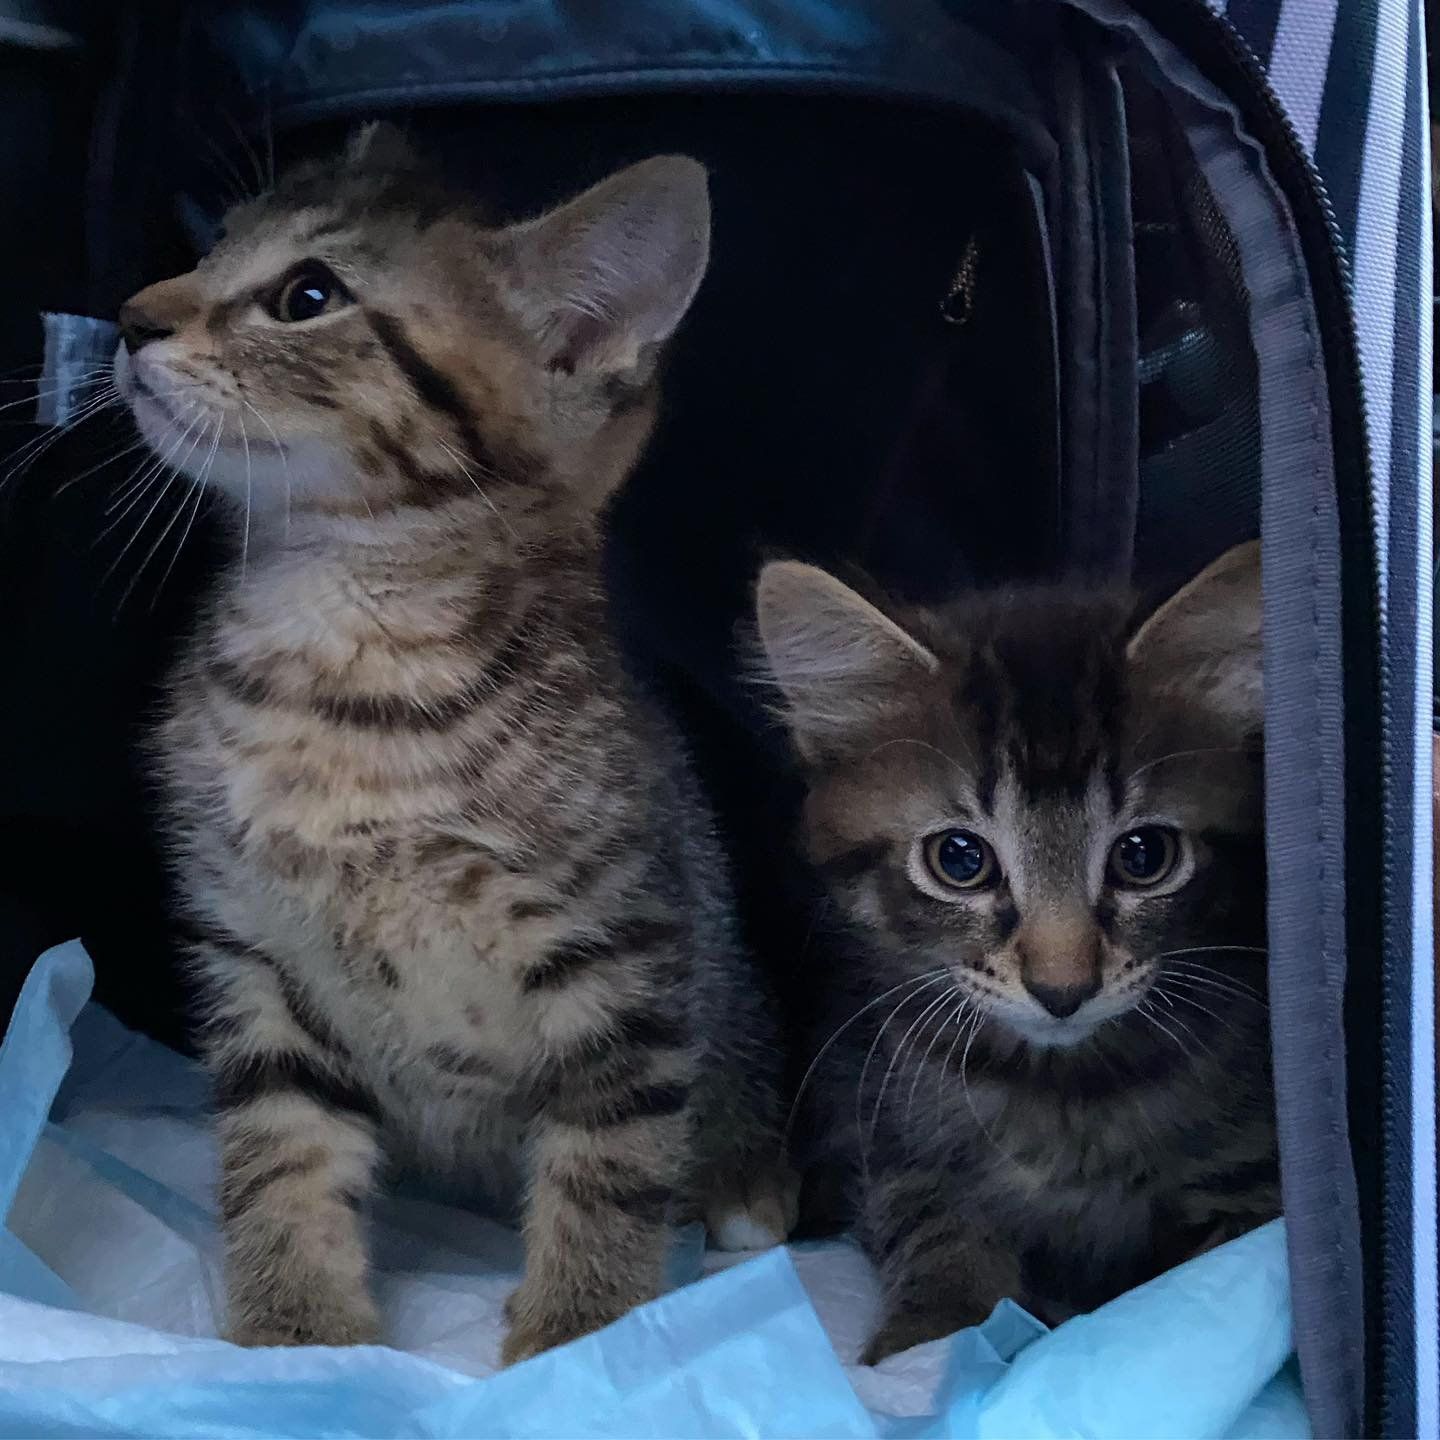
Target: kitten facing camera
x: 1037, y: 823
x: 454, y: 899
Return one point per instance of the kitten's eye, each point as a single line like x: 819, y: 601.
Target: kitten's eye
x: 961, y: 860
x: 310, y: 289
x: 1144, y: 856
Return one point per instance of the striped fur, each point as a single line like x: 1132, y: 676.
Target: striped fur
x: 999, y: 1147
x: 453, y: 895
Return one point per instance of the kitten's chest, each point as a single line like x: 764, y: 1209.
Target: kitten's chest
x: 440, y: 1036
x: 1070, y: 1167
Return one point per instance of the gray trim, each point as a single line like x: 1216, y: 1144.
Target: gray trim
x: 1304, y: 780
x: 1409, y: 660
x: 1304, y: 787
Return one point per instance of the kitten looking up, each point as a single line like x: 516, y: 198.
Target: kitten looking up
x: 1038, y: 828
x: 453, y: 897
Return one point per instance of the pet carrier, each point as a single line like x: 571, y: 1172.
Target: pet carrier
x: 1000, y: 288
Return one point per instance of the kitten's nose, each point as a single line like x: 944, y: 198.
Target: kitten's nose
x: 137, y: 328
x: 158, y: 311
x: 1060, y: 961
x: 1063, y: 1000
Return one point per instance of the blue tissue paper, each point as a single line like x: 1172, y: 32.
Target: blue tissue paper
x: 110, y: 1293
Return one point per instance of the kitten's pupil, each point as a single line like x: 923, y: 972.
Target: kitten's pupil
x: 1144, y: 856
x: 309, y: 290
x: 308, y: 301
x: 961, y: 858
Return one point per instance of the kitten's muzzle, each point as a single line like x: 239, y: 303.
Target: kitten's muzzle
x: 1060, y: 962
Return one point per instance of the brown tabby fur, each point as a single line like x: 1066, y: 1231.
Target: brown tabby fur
x: 1002, y: 1147
x: 454, y: 899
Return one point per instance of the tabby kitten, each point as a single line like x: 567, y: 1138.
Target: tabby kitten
x: 453, y: 897
x: 1038, y: 830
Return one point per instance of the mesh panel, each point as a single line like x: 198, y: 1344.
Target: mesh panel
x: 1199, y: 397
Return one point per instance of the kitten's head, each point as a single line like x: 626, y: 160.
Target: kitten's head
x: 1026, y: 793
x: 361, y: 338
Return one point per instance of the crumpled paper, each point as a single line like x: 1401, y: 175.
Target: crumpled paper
x: 109, y: 1296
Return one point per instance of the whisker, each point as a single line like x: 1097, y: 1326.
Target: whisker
x: 1186, y: 754
x: 140, y: 528
x: 1212, y: 949
x: 940, y: 978
x: 245, y: 544
x: 931, y: 1007
x: 960, y: 1032
x: 225, y: 170
x: 950, y: 760
x: 1145, y: 1010
x: 1203, y: 1009
x: 465, y: 471
x: 28, y: 454
x: 79, y: 383
x: 248, y: 150
x: 1173, y: 1018
x: 142, y: 477
x: 199, y: 492
x: 837, y: 1033
x: 197, y: 486
x: 965, y: 1084
x: 270, y: 138
x: 279, y: 450
x: 1208, y: 972
x: 89, y: 470
x: 1206, y: 985
x: 952, y: 1018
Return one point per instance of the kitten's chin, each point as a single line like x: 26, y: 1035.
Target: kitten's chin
x: 1052, y: 1034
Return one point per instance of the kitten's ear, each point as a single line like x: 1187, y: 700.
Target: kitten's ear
x: 840, y: 663
x: 380, y: 145
x: 610, y: 274
x: 1204, y: 642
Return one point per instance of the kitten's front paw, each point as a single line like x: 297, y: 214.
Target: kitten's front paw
x: 908, y: 1329
x: 537, y: 1325
x: 302, y: 1321
x: 756, y: 1214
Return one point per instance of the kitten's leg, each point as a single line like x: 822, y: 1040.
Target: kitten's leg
x: 298, y: 1156
x: 609, y: 1150
x: 748, y: 1192
x: 939, y: 1270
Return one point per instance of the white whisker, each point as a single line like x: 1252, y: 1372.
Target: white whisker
x: 1186, y: 754
x: 139, y: 529
x: 245, y: 543
x: 1212, y: 949
x: 940, y: 978
x: 465, y: 471
x: 199, y: 493
x: 838, y: 1032
x: 930, y: 1008
x: 279, y: 450
x: 1149, y: 1014
x: 951, y: 1019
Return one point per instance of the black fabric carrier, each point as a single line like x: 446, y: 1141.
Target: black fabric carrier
x: 998, y: 290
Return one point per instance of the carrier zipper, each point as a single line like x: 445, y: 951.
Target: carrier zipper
x: 1217, y: 46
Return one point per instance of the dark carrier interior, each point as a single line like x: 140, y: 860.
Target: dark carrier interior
x: 978, y: 312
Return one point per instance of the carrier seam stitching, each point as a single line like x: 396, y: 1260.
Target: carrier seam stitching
x: 845, y: 76
x: 1339, y: 1270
